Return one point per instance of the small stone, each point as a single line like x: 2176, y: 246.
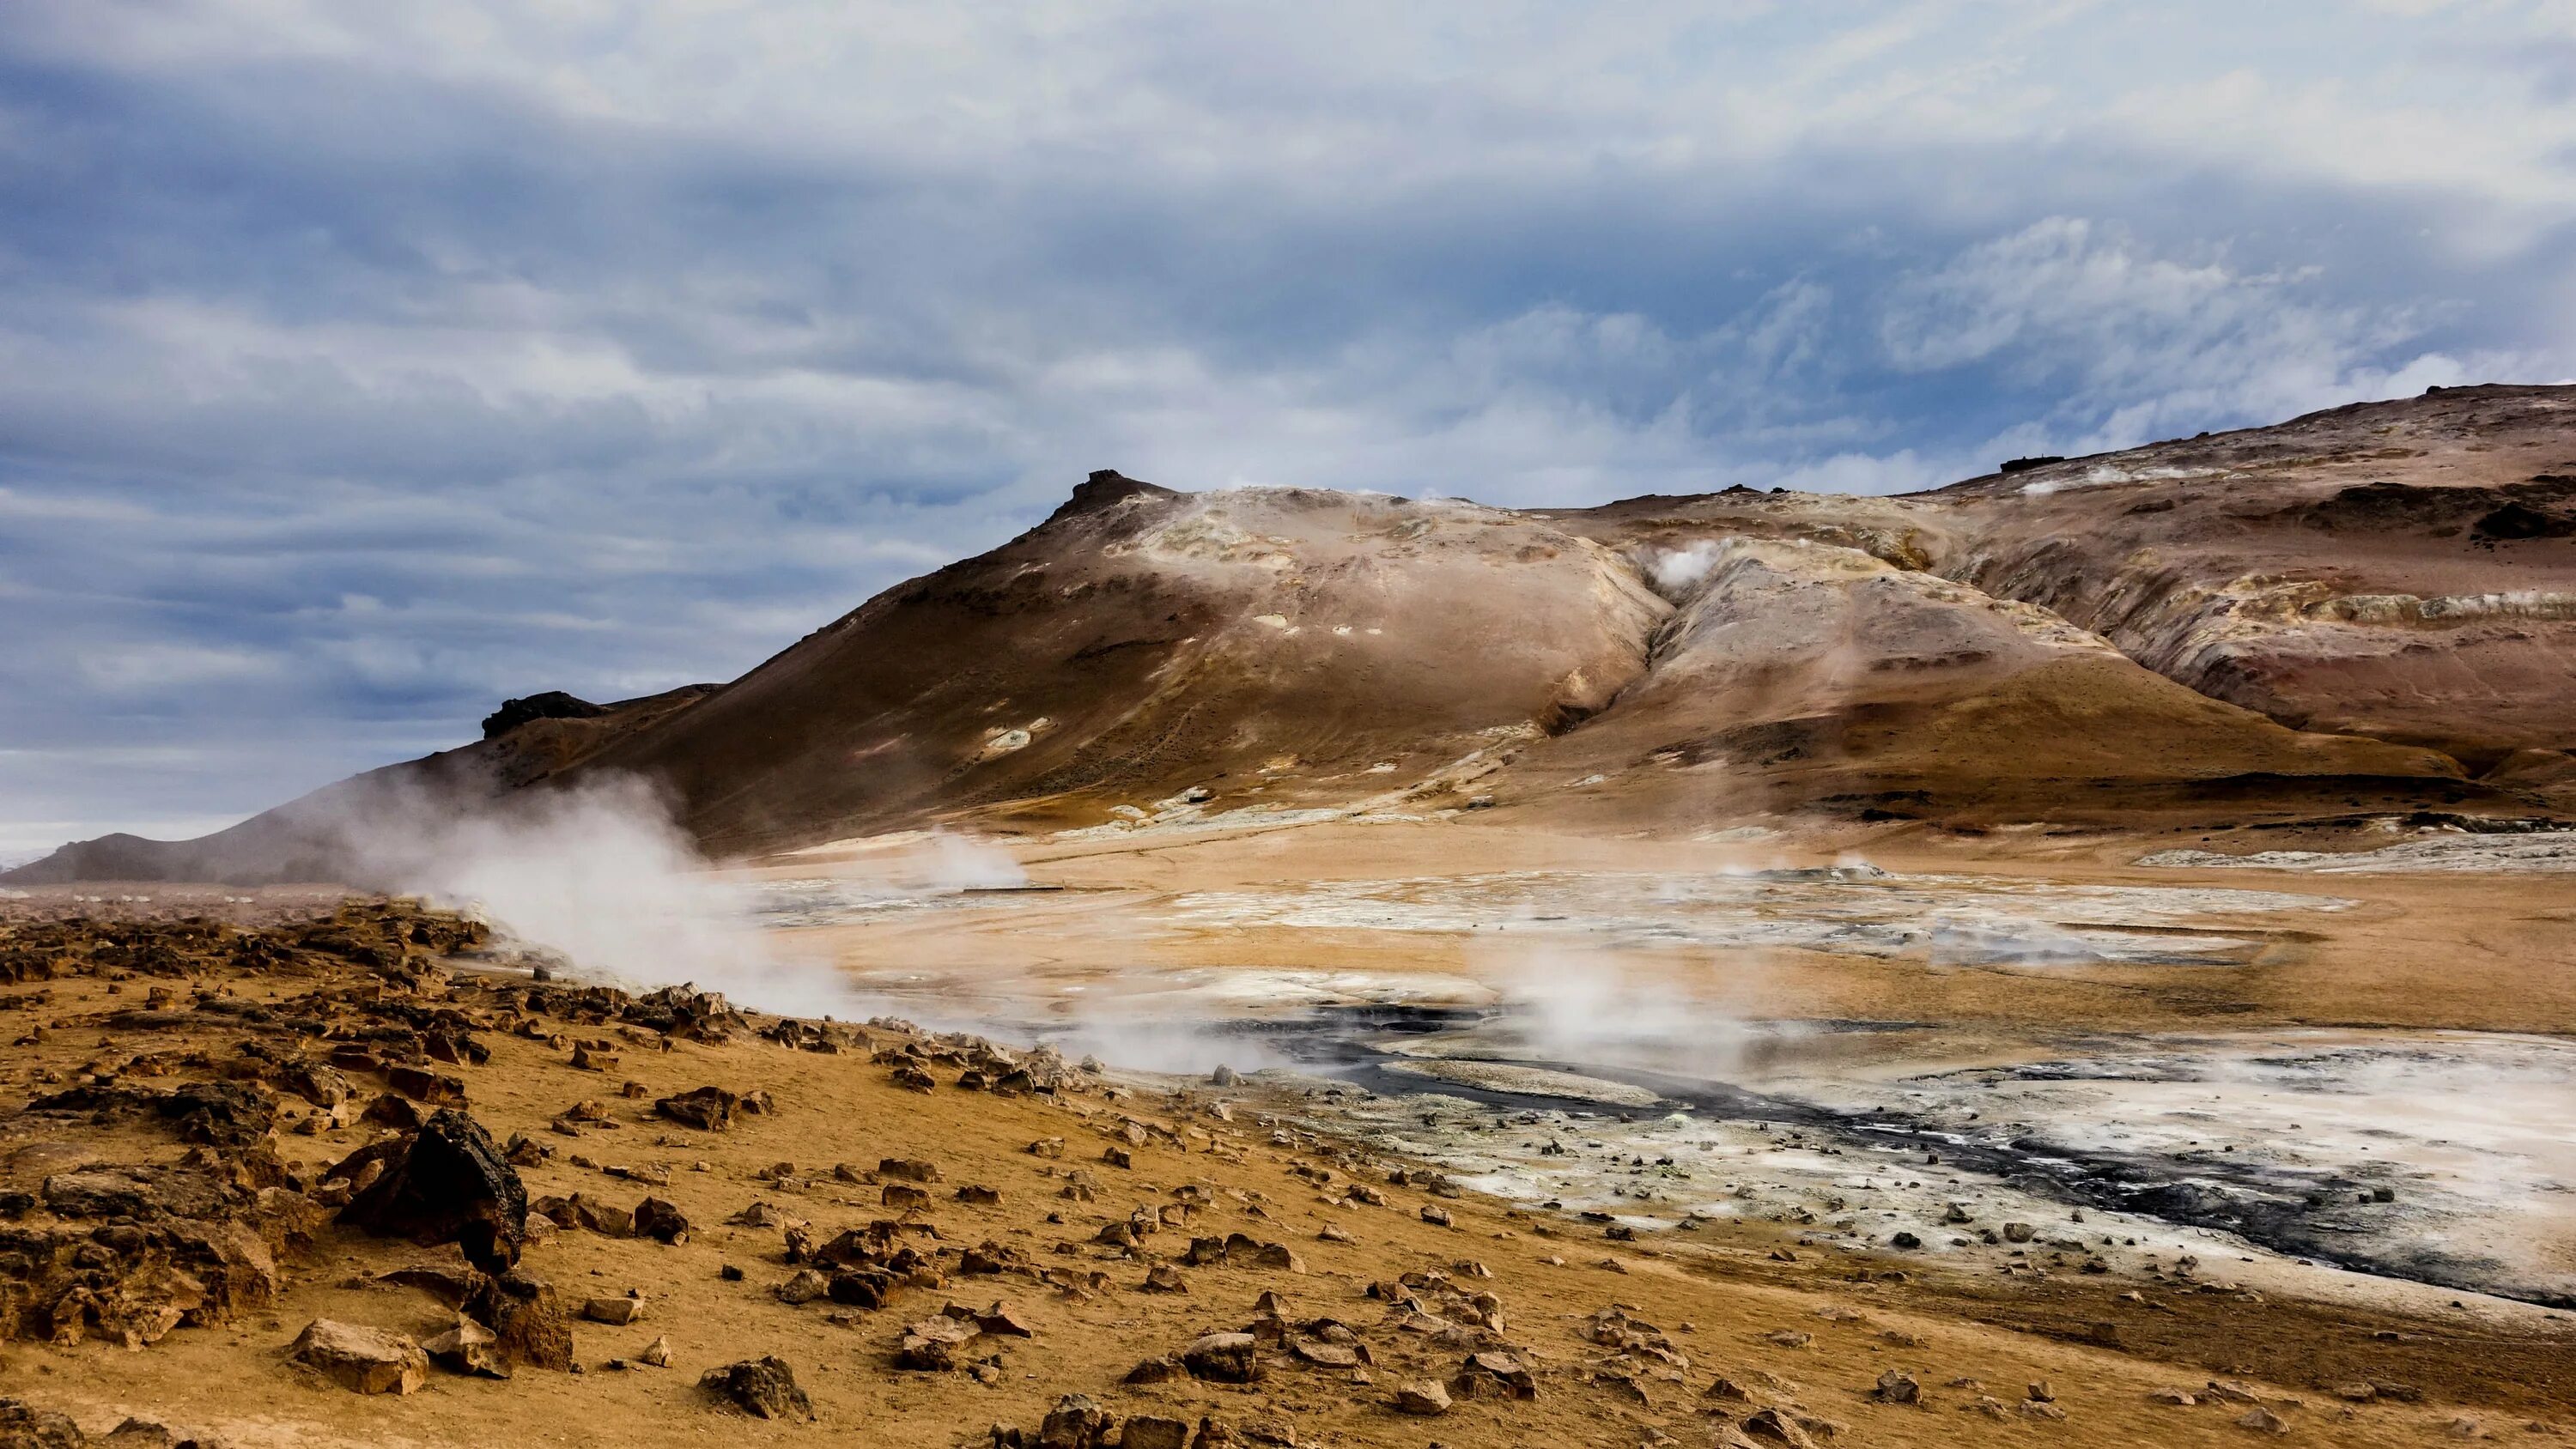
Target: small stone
x: 1777, y: 1428
x: 1156, y: 1371
x: 935, y: 1345
x: 469, y: 1348
x: 617, y: 1312
x: 1422, y: 1396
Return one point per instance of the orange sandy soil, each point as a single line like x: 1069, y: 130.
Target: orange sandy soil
x: 2468, y: 952
x: 2471, y: 951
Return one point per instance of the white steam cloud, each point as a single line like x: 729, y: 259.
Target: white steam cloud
x: 1588, y: 1006
x: 599, y: 873
x: 1676, y: 572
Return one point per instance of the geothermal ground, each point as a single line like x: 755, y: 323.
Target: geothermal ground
x: 2354, y: 1067
x: 1864, y: 1131
x: 2084, y: 956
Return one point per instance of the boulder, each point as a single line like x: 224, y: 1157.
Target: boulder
x: 527, y: 1321
x: 661, y: 1221
x: 763, y: 1387
x: 423, y: 1085
x: 1770, y: 1426
x: 1074, y: 1423
x: 935, y: 1345
x: 1423, y: 1397
x: 709, y: 1109
x: 22, y: 1427
x: 1500, y: 1375
x: 361, y: 1360
x: 617, y: 1312
x: 446, y: 1183
x: 804, y: 1287
x: 1225, y: 1358
x: 1156, y: 1371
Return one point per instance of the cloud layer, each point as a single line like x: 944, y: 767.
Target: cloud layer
x: 362, y: 365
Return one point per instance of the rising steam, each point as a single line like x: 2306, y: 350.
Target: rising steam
x: 598, y: 872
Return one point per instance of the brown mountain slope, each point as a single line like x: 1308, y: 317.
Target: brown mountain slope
x: 2405, y: 570
x: 2353, y: 611
x: 1144, y: 641
x: 1799, y: 675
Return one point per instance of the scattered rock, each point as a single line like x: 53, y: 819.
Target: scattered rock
x: 617, y: 1312
x: 1156, y: 1371
x: 709, y: 1109
x: 1225, y: 1358
x: 521, y: 1310
x: 935, y: 1345
x: 661, y: 1221
x: 469, y: 1348
x: 361, y: 1360
x: 1422, y: 1396
x: 763, y: 1387
x: 446, y: 1183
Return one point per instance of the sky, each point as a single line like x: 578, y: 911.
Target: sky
x: 363, y: 365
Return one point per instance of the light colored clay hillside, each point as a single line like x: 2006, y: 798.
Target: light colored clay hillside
x: 2363, y: 613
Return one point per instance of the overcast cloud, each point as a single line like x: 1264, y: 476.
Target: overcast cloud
x: 363, y: 364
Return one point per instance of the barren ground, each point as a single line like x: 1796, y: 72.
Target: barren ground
x: 1281, y: 954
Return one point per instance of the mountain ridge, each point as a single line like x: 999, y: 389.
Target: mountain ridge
x: 2366, y: 608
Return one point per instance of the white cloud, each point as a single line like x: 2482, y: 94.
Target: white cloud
x: 609, y: 345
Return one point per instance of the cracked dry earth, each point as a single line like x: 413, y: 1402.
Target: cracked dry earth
x: 349, y: 1175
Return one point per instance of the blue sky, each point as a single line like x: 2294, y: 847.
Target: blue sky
x: 362, y: 365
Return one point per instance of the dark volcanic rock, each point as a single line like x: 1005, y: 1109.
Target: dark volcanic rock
x: 763, y: 1387
x: 448, y: 1183
x: 709, y: 1109
x: 549, y: 704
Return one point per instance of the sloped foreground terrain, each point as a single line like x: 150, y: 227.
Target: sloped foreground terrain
x: 327, y: 1174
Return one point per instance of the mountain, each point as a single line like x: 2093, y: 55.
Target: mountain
x: 2358, y: 612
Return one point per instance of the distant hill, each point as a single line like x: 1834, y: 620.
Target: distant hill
x: 2370, y: 609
